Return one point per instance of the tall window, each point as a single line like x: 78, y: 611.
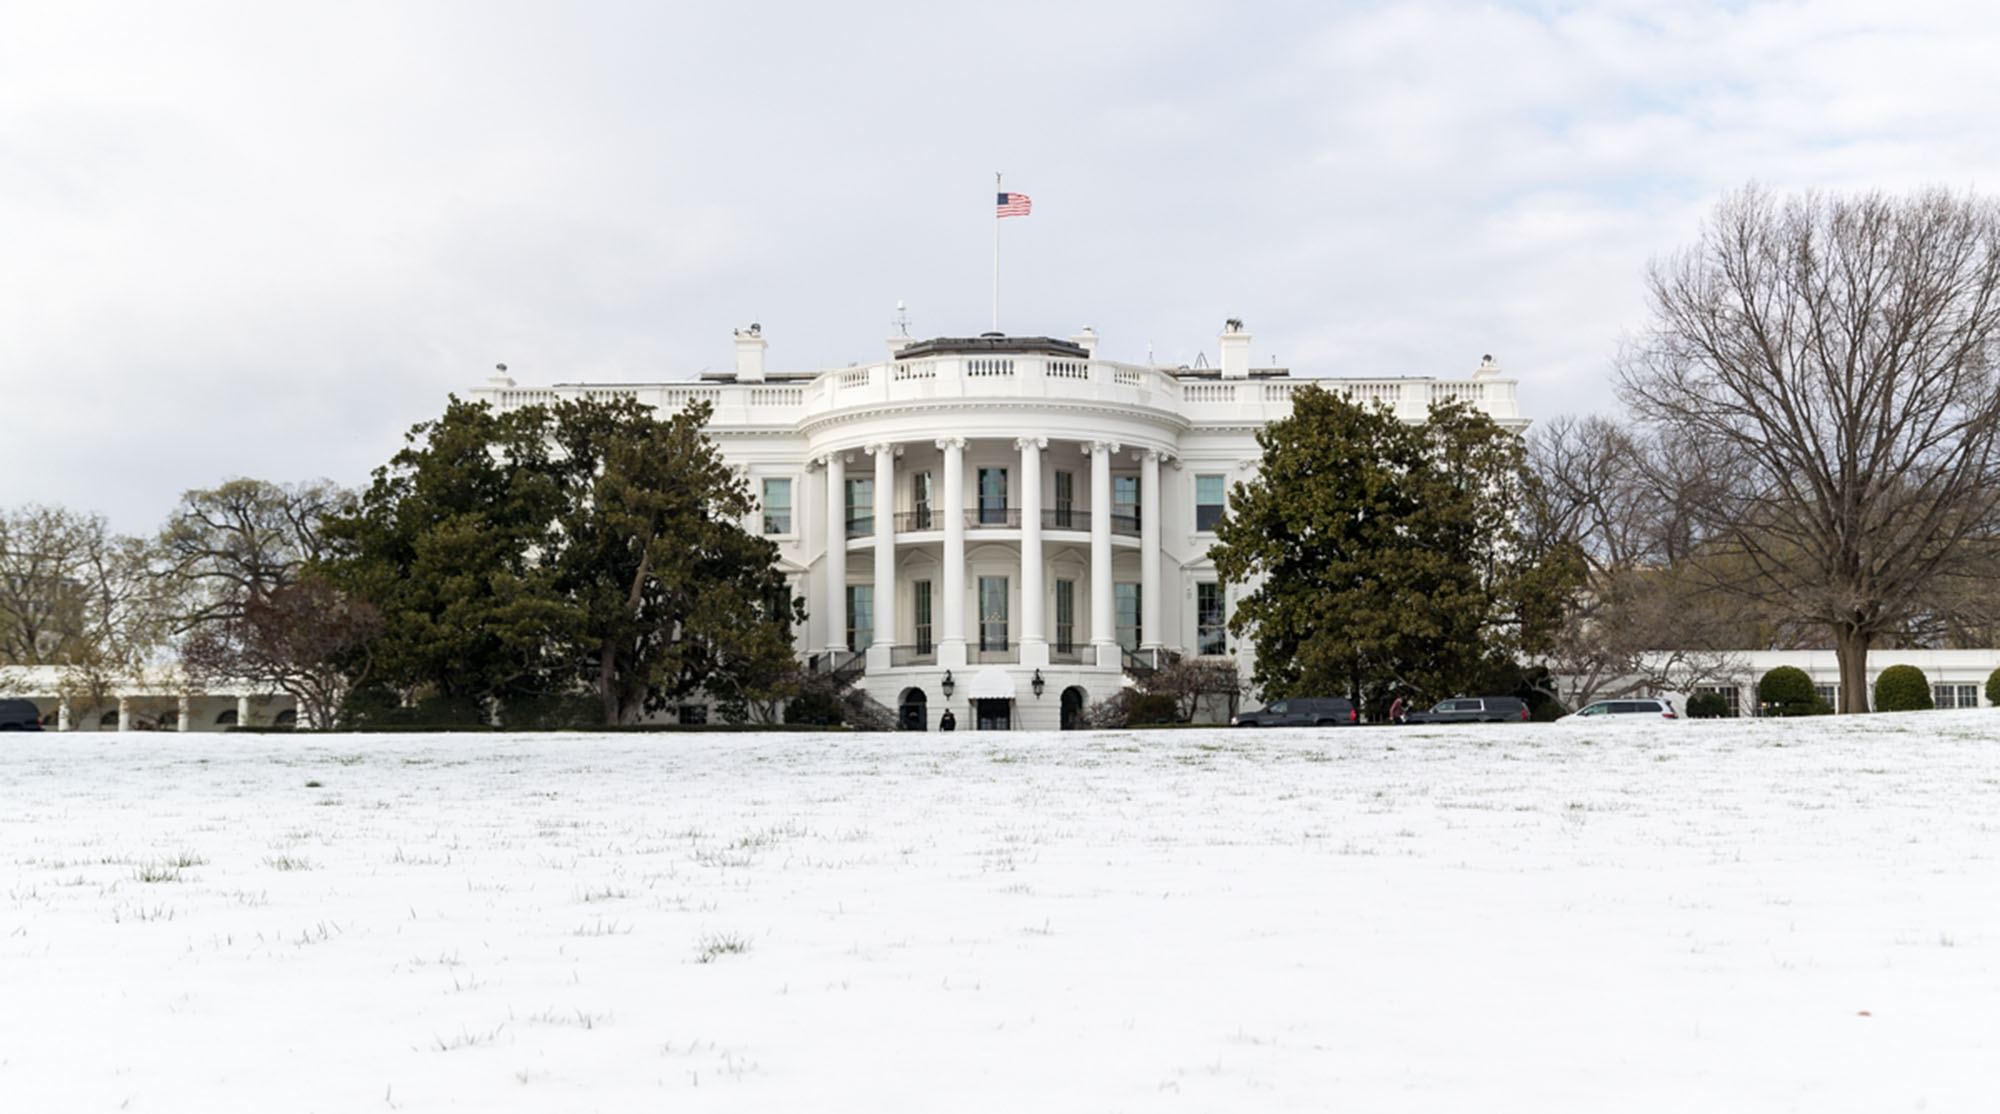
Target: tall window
x: 993, y: 497
x: 860, y: 616
x: 1065, y: 509
x: 1955, y: 696
x: 920, y: 591
x: 1208, y: 499
x: 920, y: 501
x: 1065, y: 616
x: 992, y: 612
x: 1125, y: 500
x: 777, y: 506
x: 1730, y: 694
x: 1831, y: 694
x: 1210, y: 633
x: 1125, y: 599
x: 860, y: 508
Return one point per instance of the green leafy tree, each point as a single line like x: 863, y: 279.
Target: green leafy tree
x: 519, y: 557
x: 1383, y: 555
x: 675, y: 597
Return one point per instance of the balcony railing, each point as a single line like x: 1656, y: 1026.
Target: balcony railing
x: 993, y: 518
x: 1002, y: 654
x: 920, y: 654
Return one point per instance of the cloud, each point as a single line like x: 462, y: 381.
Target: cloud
x: 264, y: 240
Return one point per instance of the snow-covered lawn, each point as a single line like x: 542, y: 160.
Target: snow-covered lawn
x: 1708, y: 916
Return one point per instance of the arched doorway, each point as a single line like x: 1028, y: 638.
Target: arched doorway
x: 911, y: 712
x: 1072, y: 707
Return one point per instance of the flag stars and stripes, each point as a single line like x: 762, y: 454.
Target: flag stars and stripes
x: 1013, y: 205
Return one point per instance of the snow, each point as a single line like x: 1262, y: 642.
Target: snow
x: 1781, y: 915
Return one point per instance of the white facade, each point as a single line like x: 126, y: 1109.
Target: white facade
x: 991, y: 512
x: 161, y: 700
x: 1957, y: 677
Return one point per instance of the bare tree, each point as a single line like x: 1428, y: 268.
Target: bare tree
x: 245, y: 539
x: 77, y: 596
x: 1603, y: 494
x: 305, y: 640
x: 1830, y: 361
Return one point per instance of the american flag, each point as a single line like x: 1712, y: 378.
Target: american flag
x: 1013, y: 205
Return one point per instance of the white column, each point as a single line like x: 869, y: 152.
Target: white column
x: 124, y: 713
x: 62, y: 714
x: 951, y: 644
x: 835, y: 608
x: 1103, y: 616
x: 181, y: 720
x: 885, y: 556
x: 1149, y: 550
x: 242, y: 711
x: 1034, y: 632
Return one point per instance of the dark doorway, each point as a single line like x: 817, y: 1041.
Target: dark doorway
x: 994, y: 715
x: 1072, y: 708
x: 910, y: 714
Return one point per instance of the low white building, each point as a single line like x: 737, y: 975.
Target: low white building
x: 160, y: 700
x: 999, y: 525
x: 1957, y: 677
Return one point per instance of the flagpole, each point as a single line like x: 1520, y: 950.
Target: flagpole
x: 996, y: 255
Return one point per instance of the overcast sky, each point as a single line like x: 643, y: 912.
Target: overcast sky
x: 264, y: 239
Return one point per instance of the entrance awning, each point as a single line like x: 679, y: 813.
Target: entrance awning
x: 990, y: 684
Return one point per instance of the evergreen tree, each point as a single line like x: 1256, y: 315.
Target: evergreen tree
x: 1383, y: 555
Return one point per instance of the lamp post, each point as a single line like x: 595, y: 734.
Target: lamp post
x: 1038, y: 684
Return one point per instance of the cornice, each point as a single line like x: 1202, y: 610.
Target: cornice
x: 1148, y: 415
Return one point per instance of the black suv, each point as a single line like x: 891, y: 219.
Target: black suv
x: 1474, y: 709
x: 20, y: 715
x: 1300, y: 711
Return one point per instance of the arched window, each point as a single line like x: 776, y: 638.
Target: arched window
x: 912, y: 710
x: 227, y: 718
x: 287, y: 718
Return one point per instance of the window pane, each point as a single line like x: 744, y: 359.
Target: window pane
x: 1126, y: 599
x: 777, y: 506
x: 992, y: 612
x: 860, y: 616
x: 921, y: 591
x: 1065, y: 616
x: 1208, y: 497
x: 1211, y: 636
x: 920, y: 500
x: 993, y: 496
x: 860, y: 508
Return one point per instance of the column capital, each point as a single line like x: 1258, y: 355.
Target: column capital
x: 1111, y: 447
x: 880, y: 447
x: 951, y: 442
x: 1026, y: 443
x: 1163, y: 456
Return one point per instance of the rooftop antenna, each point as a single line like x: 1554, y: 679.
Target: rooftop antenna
x: 902, y: 321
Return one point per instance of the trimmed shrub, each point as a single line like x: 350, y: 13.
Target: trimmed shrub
x: 1993, y: 688
x: 814, y: 709
x: 1707, y: 705
x: 1788, y: 691
x: 1902, y: 688
x: 1151, y: 708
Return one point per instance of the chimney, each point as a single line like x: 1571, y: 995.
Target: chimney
x: 1086, y: 340
x: 1235, y: 350
x: 750, y: 354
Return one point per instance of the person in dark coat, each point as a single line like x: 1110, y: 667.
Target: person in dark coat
x: 947, y: 721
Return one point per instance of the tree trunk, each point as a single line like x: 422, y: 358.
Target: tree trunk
x: 607, y: 682
x: 1850, y: 643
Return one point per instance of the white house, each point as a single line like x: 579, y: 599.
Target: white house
x: 1000, y: 525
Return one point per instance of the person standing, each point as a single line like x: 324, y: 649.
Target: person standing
x: 947, y: 721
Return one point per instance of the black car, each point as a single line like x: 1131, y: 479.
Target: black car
x: 1474, y: 709
x: 20, y: 715
x: 1300, y: 711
